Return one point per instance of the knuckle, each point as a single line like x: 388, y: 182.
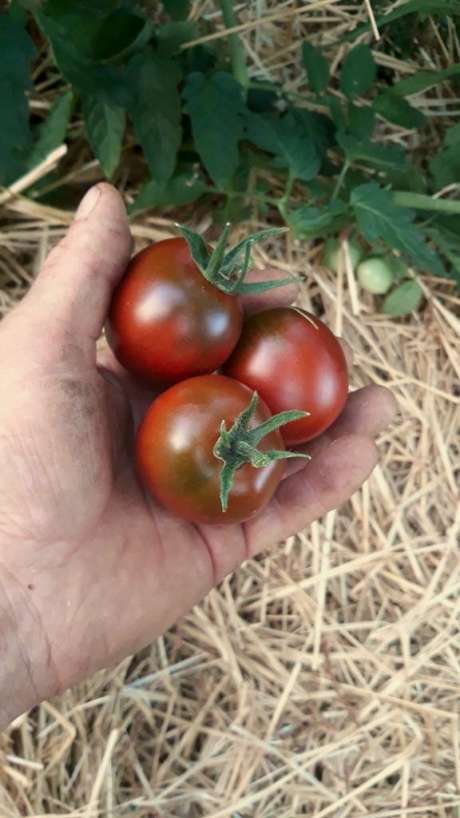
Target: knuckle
x: 97, y: 250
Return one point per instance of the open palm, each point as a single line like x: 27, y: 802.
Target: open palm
x: 95, y: 568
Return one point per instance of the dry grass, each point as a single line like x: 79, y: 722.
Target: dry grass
x: 323, y: 679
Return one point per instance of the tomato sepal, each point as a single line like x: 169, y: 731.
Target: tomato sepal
x: 238, y: 445
x: 227, y: 270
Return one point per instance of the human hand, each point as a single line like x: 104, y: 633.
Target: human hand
x: 90, y: 568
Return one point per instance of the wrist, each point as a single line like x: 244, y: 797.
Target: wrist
x: 25, y: 677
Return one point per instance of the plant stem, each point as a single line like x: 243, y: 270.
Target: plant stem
x: 419, y: 201
x: 240, y: 71
x: 341, y: 179
x: 284, y: 201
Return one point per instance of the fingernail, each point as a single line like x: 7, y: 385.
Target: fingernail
x: 88, y: 203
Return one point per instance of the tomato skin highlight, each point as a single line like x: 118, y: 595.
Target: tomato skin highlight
x: 174, y: 451
x: 166, y: 321
x: 293, y: 361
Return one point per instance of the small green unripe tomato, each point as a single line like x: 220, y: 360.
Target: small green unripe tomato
x: 375, y: 275
x: 332, y: 250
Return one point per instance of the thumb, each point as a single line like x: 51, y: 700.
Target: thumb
x: 76, y: 282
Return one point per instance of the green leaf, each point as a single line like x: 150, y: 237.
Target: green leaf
x: 105, y: 127
x: 299, y: 139
x: 122, y: 33
x: 107, y: 82
x: 452, y: 136
x: 177, y: 9
x: 52, y: 132
x: 385, y: 157
x: 361, y: 121
x: 261, y: 131
x: 154, y: 109
x: 99, y: 32
x: 296, y: 148
x: 61, y: 8
x: 396, y: 109
x: 424, y: 79
x: 311, y: 222
x: 445, y: 233
x: 18, y: 12
x: 75, y: 24
x: 319, y: 128
x: 171, y: 36
x: 200, y: 58
x: 215, y: 105
x: 17, y: 52
x: 27, y: 5
x: 184, y: 187
x: 380, y: 219
x: 404, y: 299
x: 317, y: 67
x: 337, y: 112
x: 409, y: 178
x: 445, y: 166
x: 14, y: 133
x: 358, y: 71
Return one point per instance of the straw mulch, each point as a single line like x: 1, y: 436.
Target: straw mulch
x: 323, y: 679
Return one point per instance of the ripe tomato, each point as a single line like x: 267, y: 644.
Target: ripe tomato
x: 174, y: 451
x: 167, y: 322
x: 293, y: 361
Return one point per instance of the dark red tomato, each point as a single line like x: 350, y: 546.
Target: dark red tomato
x: 293, y: 361
x: 174, y: 451
x: 166, y: 321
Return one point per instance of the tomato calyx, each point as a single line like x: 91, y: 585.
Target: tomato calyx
x: 226, y: 270
x: 238, y: 445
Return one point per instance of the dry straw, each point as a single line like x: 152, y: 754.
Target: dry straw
x: 323, y: 679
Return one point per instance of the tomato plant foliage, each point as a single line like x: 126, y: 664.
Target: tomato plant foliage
x: 126, y: 75
x: 379, y: 219
x: 216, y: 108
x: 17, y: 52
x: 105, y: 125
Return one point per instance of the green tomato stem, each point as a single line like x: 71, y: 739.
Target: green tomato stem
x: 419, y: 201
x: 340, y: 179
x: 226, y: 269
x: 284, y: 201
x: 274, y: 423
x: 239, y: 67
x: 238, y: 445
x: 217, y: 256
